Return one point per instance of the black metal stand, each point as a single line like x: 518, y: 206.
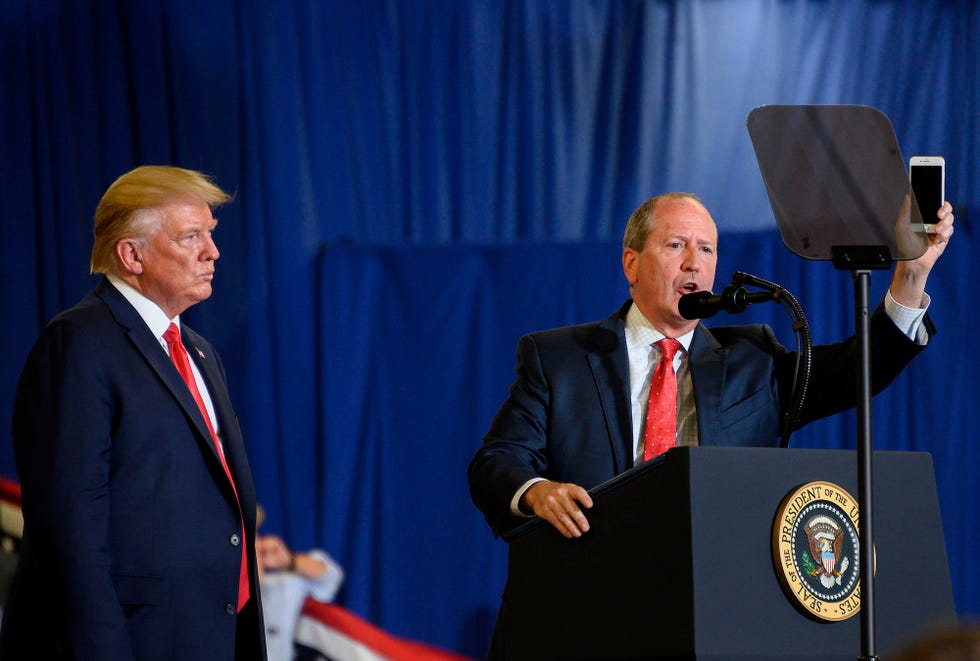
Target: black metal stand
x: 860, y: 260
x: 804, y: 347
x: 862, y: 279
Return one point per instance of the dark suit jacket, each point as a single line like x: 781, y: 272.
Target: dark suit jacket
x: 130, y: 524
x: 568, y: 416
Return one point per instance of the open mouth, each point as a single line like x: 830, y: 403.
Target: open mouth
x: 689, y: 288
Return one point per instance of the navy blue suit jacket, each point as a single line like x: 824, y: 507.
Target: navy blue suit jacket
x: 568, y: 415
x: 131, y: 528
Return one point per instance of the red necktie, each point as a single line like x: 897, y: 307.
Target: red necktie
x: 660, y: 431
x: 178, y: 354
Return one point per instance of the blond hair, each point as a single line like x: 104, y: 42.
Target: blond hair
x: 122, y: 211
x: 640, y: 224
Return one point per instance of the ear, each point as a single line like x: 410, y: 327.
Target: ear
x: 129, y: 252
x: 630, y: 265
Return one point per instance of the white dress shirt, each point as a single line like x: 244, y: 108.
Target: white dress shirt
x: 283, y: 594
x: 644, y: 354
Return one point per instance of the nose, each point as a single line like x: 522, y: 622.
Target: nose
x: 211, y: 252
x: 691, y: 262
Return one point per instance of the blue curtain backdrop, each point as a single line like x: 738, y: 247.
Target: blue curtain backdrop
x: 419, y: 183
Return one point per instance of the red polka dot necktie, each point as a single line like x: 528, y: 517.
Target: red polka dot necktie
x: 178, y: 354
x: 660, y: 431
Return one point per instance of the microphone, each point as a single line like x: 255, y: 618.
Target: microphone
x: 733, y: 299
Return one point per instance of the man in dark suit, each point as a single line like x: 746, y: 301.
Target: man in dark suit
x: 576, y: 413
x: 138, y: 502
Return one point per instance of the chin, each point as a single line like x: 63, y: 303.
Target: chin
x: 202, y: 294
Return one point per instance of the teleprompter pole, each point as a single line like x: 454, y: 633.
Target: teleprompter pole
x: 860, y: 260
x: 862, y: 279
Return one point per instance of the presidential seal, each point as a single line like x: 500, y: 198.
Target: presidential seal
x: 815, y: 550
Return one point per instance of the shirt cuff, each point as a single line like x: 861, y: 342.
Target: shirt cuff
x: 908, y: 320
x: 324, y: 588
x: 515, y: 501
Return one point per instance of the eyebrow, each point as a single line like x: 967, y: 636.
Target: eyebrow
x: 684, y: 237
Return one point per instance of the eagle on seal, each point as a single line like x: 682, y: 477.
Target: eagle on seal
x: 826, y: 540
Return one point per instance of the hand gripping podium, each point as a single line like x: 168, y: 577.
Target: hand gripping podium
x: 679, y: 563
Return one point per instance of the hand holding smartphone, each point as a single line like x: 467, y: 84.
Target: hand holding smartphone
x: 927, y: 177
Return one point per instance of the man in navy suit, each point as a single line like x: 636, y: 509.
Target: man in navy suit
x: 576, y: 411
x: 138, y: 502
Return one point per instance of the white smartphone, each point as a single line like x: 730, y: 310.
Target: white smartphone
x: 927, y: 177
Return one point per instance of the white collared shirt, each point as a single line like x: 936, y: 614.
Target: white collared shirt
x: 283, y: 594
x: 644, y: 354
x: 158, y: 323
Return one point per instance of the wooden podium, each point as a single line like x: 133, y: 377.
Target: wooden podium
x: 678, y: 563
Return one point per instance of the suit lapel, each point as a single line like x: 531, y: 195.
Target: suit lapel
x: 213, y: 380
x: 609, y: 363
x: 154, y: 354
x: 231, y: 441
x: 707, y: 365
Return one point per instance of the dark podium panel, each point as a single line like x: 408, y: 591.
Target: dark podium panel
x: 678, y: 563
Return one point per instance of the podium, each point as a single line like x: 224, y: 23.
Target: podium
x: 678, y: 563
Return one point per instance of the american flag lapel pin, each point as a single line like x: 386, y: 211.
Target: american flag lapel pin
x: 199, y: 352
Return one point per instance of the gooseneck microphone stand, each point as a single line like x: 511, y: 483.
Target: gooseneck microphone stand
x: 804, y: 348
x: 734, y: 299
